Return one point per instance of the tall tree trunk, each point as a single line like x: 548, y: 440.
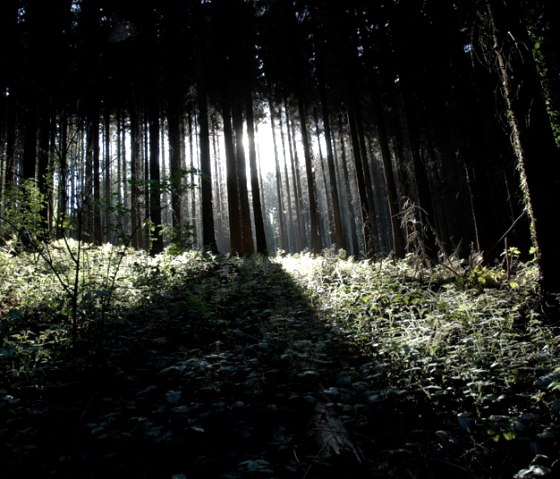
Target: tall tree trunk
x: 538, y: 157
x: 364, y: 185
x: 87, y: 188
x: 191, y: 192
x: 299, y: 207
x: 234, y: 210
x: 310, y: 175
x: 293, y: 238
x: 8, y: 177
x: 255, y: 187
x: 119, y: 199
x: 63, y: 174
x: 290, y: 202
x: 146, y: 184
x: 208, y: 231
x: 8, y: 29
x: 222, y: 234
x: 107, y: 176
x: 174, y: 121
x: 136, y: 208
x: 44, y: 182
x: 156, y: 237
x: 326, y: 215
x: 351, y: 214
x: 335, y: 199
x: 125, y: 184
x: 29, y: 164
x: 245, y: 211
x: 10, y: 151
x: 282, y: 231
x: 94, y: 183
x: 390, y: 184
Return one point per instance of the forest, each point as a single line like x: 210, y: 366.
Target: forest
x: 279, y: 238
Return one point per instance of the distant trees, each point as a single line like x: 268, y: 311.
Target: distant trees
x: 258, y: 125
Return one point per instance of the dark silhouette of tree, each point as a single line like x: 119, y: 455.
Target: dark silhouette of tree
x: 374, y: 110
x: 208, y: 231
x: 538, y: 156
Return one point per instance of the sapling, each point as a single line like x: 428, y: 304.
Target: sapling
x: 23, y: 217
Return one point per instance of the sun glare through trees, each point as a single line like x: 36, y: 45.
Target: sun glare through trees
x: 279, y: 238
x: 251, y: 126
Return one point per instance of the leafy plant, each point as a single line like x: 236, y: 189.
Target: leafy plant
x: 259, y: 364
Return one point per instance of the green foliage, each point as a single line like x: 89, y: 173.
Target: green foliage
x: 23, y: 214
x: 181, y: 238
x: 472, y: 345
x: 174, y: 183
x: 118, y: 210
x: 245, y: 360
x: 481, y: 276
x: 544, y: 73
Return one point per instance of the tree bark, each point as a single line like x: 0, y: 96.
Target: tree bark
x: 208, y: 231
x: 310, y: 175
x: 255, y: 187
x: 156, y: 237
x: 174, y: 121
x: 538, y: 157
x: 282, y: 230
x: 236, y: 246
x: 135, y: 179
x: 333, y: 177
x: 241, y: 166
x: 107, y: 177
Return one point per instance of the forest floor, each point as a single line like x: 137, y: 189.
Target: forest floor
x: 291, y: 367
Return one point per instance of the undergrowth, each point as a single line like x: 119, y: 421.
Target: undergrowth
x: 471, y: 343
x: 303, y: 366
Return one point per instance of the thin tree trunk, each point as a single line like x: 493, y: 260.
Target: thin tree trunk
x: 390, y: 184
x: 10, y: 152
x: 28, y: 170
x: 95, y: 182
x: 191, y: 192
x: 282, y: 231
x: 43, y: 159
x: 87, y: 229
x: 255, y: 187
x: 334, y: 196
x: 293, y: 239
x: 325, y: 213
x: 299, y: 208
x: 156, y: 237
x: 222, y: 234
x: 108, y: 203
x: 174, y: 120
x: 125, y: 185
x: 310, y: 175
x: 208, y: 231
x: 135, y: 179
x: 368, y: 220
x: 63, y: 175
x: 351, y: 216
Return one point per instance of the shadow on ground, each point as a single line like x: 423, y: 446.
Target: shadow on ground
x: 225, y: 374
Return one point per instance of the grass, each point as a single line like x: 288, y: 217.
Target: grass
x: 296, y: 366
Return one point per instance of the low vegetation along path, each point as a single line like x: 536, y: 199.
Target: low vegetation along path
x: 228, y: 373
x: 230, y: 376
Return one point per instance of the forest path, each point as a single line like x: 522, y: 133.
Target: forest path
x: 219, y: 367
x: 228, y: 375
